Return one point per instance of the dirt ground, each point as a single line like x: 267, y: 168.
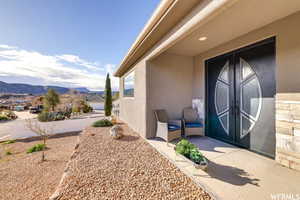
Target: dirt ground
x: 25, y: 115
x: 23, y: 176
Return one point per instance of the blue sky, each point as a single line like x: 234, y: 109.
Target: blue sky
x: 68, y: 43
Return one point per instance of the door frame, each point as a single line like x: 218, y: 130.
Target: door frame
x: 232, y: 51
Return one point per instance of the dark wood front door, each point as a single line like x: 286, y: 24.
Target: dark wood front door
x: 240, y: 89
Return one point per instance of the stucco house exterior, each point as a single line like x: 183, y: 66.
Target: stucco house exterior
x: 240, y: 58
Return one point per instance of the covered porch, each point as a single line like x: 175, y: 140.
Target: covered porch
x: 171, y: 71
x: 177, y: 75
x: 234, y: 173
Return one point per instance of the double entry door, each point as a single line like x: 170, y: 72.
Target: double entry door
x: 240, y: 89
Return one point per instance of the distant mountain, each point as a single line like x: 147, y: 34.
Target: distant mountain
x: 82, y: 90
x: 93, y: 97
x: 96, y: 92
x: 19, y: 88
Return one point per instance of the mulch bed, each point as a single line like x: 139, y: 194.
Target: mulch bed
x: 128, y: 168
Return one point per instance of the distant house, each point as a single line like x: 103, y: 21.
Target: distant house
x: 235, y: 56
x: 19, y: 108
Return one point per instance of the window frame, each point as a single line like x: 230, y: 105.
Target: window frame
x: 131, y: 73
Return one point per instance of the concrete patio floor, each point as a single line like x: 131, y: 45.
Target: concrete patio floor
x: 235, y: 173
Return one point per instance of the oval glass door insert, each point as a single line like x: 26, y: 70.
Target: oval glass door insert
x: 222, y: 97
x: 250, y: 98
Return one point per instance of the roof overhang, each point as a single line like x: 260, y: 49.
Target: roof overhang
x: 178, y: 24
x: 164, y: 18
x: 239, y: 19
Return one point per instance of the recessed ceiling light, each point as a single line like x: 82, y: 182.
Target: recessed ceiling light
x: 202, y: 38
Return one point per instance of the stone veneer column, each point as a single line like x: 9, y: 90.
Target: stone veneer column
x: 288, y: 130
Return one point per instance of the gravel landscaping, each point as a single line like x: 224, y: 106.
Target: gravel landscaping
x: 23, y: 176
x: 129, y: 168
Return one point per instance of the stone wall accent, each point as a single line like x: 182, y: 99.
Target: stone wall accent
x: 288, y: 130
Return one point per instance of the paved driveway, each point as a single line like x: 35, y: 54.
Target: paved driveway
x: 17, y: 128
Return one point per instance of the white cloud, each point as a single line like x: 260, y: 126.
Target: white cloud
x: 76, y: 60
x: 69, y: 70
x: 4, y: 46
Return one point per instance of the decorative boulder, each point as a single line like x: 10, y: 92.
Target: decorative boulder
x: 113, y: 120
x: 116, y: 132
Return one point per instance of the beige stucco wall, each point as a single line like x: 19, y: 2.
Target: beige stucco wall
x: 171, y: 81
x: 287, y: 34
x: 133, y: 109
x: 170, y: 86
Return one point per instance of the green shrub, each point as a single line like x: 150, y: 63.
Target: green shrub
x: 81, y: 106
x: 102, y: 123
x: 10, y: 114
x: 189, y: 150
x: 9, y: 142
x: 8, y: 153
x: 7, y: 115
x: 4, y: 118
x: 184, y: 147
x: 59, y: 116
x: 45, y: 116
x: 51, y: 116
x: 196, y: 156
x: 87, y: 108
x: 37, y: 147
x: 67, y: 113
x: 75, y: 109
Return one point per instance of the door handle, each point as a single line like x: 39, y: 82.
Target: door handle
x: 232, y: 108
x: 237, y: 109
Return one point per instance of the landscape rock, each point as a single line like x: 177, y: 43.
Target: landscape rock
x: 124, y: 169
x: 116, y: 132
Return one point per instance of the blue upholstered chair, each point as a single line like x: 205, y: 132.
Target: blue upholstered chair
x: 192, y: 124
x: 167, y: 129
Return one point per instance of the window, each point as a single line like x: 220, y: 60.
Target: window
x: 129, y: 85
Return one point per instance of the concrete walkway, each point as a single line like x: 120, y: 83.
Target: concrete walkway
x: 235, y: 173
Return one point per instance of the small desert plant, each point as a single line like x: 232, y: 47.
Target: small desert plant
x: 8, y: 152
x: 43, y: 132
x: 196, y: 156
x: 9, y: 142
x: 189, y: 150
x: 51, y: 116
x: 10, y: 114
x: 184, y: 147
x: 37, y: 147
x: 67, y: 113
x: 59, y: 116
x: 4, y: 118
x: 102, y: 123
x: 75, y: 109
x: 45, y: 116
x: 81, y: 106
x: 87, y: 108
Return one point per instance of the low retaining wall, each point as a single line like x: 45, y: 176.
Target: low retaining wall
x: 288, y: 130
